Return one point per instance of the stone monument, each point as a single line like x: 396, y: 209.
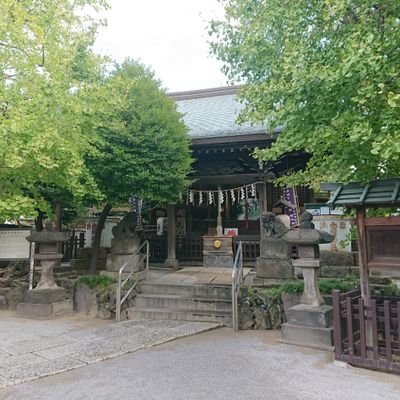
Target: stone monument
x: 275, y: 255
x: 124, y: 245
x: 310, y: 322
x: 47, y: 300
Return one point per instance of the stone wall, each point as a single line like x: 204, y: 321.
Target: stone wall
x: 260, y: 309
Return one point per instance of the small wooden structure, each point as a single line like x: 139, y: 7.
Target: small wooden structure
x: 366, y: 327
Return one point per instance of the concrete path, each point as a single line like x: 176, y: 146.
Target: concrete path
x: 216, y: 365
x: 32, y: 349
x: 195, y: 276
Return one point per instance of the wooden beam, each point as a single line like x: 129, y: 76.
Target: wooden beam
x: 212, y: 181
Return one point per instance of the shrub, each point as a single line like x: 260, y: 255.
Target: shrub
x: 96, y: 281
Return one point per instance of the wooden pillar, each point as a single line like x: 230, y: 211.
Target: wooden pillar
x: 171, y: 261
x: 362, y: 249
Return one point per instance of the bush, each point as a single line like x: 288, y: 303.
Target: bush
x: 96, y: 281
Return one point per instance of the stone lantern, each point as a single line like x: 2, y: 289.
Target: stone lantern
x: 310, y: 322
x: 47, y: 299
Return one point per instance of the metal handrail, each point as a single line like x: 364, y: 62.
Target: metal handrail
x: 237, y: 279
x: 145, y: 258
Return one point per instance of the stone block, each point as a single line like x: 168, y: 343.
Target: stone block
x: 116, y: 261
x: 125, y: 246
x: 304, y: 315
x: 337, y: 258
x: 85, y: 300
x: 44, y: 311
x: 274, y: 268
x: 316, y: 337
x: 14, y: 297
x: 45, y: 296
x: 3, y: 303
x: 274, y: 249
x: 222, y: 261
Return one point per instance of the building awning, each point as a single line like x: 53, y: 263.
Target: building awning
x: 380, y: 193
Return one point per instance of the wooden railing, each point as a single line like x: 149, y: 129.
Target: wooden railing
x: 367, y: 334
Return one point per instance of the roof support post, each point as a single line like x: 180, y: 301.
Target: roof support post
x: 171, y: 261
x: 362, y: 249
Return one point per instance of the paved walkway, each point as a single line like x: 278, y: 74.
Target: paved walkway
x: 216, y: 365
x: 195, y: 276
x: 32, y: 349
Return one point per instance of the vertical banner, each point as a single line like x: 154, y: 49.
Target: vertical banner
x: 289, y: 194
x: 136, y: 208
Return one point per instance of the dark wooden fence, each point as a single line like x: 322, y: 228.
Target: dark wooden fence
x: 69, y: 249
x: 190, y: 247
x: 250, y: 246
x: 367, y: 334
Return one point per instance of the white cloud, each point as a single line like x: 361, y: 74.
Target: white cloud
x: 168, y: 35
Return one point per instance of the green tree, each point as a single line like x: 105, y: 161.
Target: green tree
x: 327, y: 72
x: 45, y: 64
x: 141, y: 147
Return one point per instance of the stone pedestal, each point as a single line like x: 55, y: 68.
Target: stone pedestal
x: 45, y: 303
x: 310, y: 322
x: 47, y: 300
x: 217, y: 251
x: 275, y: 260
x: 121, y: 252
x: 309, y: 326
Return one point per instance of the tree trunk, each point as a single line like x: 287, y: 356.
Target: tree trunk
x: 97, y: 237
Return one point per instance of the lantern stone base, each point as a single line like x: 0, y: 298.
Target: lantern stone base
x: 45, y: 296
x: 309, y: 326
x: 45, y: 303
x: 44, y: 311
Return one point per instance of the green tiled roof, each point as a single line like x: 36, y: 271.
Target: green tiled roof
x: 384, y: 192
x: 213, y: 113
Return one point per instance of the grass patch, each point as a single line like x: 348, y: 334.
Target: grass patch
x: 96, y: 281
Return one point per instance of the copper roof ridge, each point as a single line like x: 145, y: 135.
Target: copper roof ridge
x: 204, y: 93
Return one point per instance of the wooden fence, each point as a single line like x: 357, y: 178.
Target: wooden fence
x: 69, y: 249
x: 367, y: 334
x: 190, y: 247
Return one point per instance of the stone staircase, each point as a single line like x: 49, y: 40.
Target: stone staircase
x: 183, y: 302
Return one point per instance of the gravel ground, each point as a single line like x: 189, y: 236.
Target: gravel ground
x: 215, y: 365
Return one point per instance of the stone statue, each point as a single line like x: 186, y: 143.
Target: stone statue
x: 126, y: 228
x: 273, y: 227
x: 305, y: 221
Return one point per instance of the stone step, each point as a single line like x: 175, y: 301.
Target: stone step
x: 195, y: 291
x: 137, y: 313
x: 172, y: 301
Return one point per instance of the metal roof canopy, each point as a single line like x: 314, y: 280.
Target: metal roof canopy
x: 380, y: 193
x: 378, y: 237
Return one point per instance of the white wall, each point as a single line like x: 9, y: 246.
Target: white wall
x: 13, y: 243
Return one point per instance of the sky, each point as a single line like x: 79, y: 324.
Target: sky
x: 170, y: 36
